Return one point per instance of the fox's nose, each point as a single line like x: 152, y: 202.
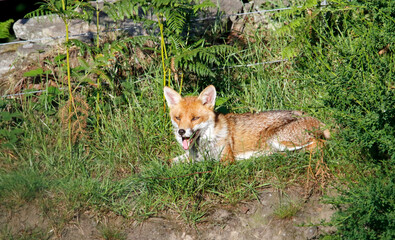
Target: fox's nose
x: 181, y: 132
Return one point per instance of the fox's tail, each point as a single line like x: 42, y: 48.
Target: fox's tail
x: 327, y: 134
x: 324, y: 132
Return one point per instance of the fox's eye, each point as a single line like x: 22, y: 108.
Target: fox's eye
x: 195, y: 118
x: 178, y: 118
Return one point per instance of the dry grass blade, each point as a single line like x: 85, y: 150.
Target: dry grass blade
x: 78, y: 118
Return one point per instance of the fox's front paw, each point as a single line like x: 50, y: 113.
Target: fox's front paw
x: 180, y: 159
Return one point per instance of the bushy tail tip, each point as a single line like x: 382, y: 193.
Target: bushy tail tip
x: 327, y: 134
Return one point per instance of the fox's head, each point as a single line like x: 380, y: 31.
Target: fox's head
x: 191, y: 116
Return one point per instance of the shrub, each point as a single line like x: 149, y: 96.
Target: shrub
x: 367, y: 210
x: 347, y: 60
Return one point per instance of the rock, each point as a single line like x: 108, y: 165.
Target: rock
x: 311, y: 232
x: 230, y: 6
x: 9, y: 54
x: 50, y: 28
x: 40, y: 33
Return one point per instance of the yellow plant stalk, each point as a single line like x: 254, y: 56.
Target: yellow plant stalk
x: 97, y: 24
x: 164, y: 55
x: 98, y: 79
x: 182, y: 79
x: 68, y: 73
x: 168, y: 84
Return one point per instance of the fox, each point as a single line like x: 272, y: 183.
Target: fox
x: 205, y: 134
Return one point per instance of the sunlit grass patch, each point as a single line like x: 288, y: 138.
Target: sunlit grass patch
x: 286, y: 210
x: 190, y: 189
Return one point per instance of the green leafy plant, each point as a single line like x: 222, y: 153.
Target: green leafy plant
x: 10, y: 130
x: 366, y: 209
x: 346, y: 42
x: 66, y: 10
x: 299, y: 25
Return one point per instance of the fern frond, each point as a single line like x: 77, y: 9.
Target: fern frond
x: 54, y: 7
x: 38, y: 13
x: 176, y: 20
x: 176, y: 43
x: 310, y: 3
x: 5, y: 28
x: 203, y: 6
x: 120, y: 10
x: 201, y: 60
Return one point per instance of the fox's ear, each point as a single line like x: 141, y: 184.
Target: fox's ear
x: 208, y: 95
x: 172, y: 97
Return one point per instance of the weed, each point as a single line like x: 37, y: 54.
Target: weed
x: 10, y: 125
x: 109, y: 232
x: 77, y: 118
x: 287, y: 210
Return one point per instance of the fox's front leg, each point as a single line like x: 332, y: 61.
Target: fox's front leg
x: 227, y: 156
x: 180, y: 159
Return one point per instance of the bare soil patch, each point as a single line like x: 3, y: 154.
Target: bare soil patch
x: 248, y: 220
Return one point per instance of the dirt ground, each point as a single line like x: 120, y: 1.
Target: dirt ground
x: 249, y: 220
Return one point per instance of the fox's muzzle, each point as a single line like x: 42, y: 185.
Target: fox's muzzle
x: 187, y: 140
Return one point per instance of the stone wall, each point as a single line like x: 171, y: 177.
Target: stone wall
x: 51, y: 30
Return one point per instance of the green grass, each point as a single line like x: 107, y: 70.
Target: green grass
x: 110, y: 232
x: 22, y: 186
x: 27, y: 234
x: 287, y: 210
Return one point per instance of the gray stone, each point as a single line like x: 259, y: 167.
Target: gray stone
x: 7, y: 56
x: 312, y: 232
x: 50, y: 28
x: 230, y: 6
x: 10, y: 53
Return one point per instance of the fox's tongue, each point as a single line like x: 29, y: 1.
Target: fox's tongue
x: 185, y: 144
